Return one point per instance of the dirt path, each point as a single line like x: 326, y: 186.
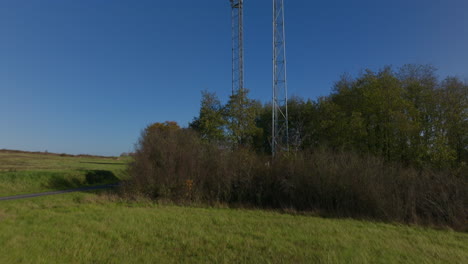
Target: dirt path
x: 31, y: 195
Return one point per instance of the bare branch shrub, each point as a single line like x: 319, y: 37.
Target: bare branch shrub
x: 175, y: 164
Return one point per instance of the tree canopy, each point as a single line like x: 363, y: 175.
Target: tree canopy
x: 405, y: 115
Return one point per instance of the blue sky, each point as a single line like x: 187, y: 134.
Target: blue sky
x: 87, y: 76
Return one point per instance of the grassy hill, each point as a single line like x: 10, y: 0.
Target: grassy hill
x: 100, y: 227
x: 27, y: 172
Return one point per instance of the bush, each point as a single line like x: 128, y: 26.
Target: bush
x: 174, y: 163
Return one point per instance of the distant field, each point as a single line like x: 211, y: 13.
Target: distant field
x: 36, y: 172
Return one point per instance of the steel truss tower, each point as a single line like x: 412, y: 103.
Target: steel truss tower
x: 280, y: 136
x: 237, y: 45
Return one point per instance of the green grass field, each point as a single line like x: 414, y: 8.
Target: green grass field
x: 100, y: 227
x: 87, y: 228
x: 28, y: 173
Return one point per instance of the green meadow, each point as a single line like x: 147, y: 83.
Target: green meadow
x: 101, y: 227
x: 22, y: 172
x: 92, y: 228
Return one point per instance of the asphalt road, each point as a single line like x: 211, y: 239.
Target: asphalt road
x: 32, y: 195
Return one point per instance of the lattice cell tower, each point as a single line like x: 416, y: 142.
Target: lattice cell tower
x: 237, y: 45
x: 280, y: 136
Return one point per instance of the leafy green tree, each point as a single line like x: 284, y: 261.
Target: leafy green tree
x: 210, y: 123
x: 301, y: 115
x: 340, y: 116
x: 241, y: 115
x: 419, y: 83
x: 453, y: 117
x: 367, y: 114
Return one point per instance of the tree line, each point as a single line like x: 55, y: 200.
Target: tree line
x: 406, y: 115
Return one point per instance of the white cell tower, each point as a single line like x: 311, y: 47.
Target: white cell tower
x: 280, y: 134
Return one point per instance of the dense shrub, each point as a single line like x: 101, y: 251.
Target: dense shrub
x: 174, y: 163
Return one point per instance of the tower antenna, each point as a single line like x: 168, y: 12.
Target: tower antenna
x: 237, y: 20
x: 280, y: 133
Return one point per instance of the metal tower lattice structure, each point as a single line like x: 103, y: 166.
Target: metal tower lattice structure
x: 237, y: 18
x: 280, y: 133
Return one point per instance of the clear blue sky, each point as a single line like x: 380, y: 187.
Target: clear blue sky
x: 86, y: 76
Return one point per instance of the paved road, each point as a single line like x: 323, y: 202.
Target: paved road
x: 31, y: 195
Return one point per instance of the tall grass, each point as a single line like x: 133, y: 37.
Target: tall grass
x: 176, y: 164
x: 90, y: 228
